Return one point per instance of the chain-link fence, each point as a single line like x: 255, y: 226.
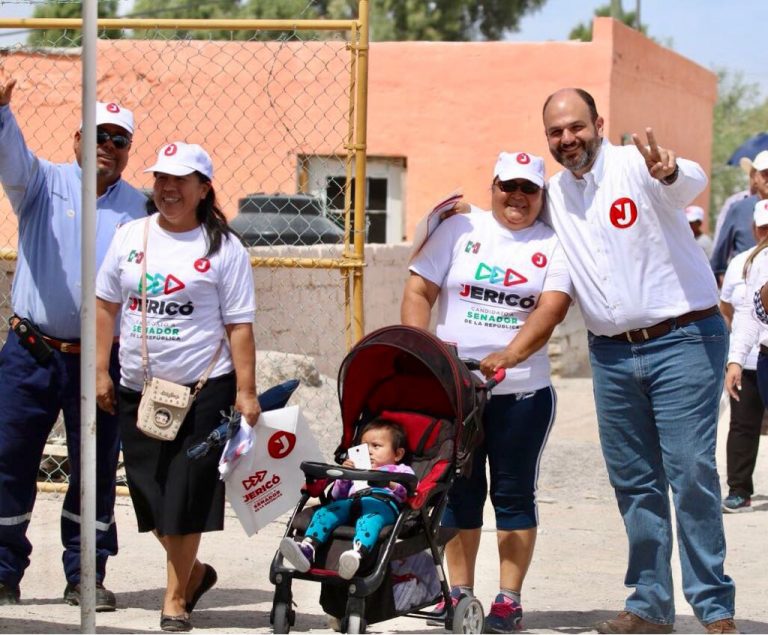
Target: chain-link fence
x: 280, y: 107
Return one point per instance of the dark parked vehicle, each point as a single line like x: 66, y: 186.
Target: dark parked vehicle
x: 284, y: 219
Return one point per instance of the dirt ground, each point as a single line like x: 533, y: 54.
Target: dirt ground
x: 575, y: 580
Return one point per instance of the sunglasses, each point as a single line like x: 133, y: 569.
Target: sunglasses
x: 121, y: 141
x: 511, y: 186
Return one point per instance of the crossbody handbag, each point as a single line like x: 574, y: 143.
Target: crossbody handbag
x: 164, y: 404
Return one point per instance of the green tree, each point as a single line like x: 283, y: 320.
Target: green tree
x: 739, y: 114
x: 70, y: 37
x: 583, y: 31
x: 446, y: 20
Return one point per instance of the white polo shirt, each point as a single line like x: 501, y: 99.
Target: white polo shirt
x: 633, y: 258
x: 746, y: 330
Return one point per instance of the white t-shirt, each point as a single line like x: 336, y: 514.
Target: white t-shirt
x: 490, y: 280
x: 189, y: 300
x: 632, y: 255
x: 746, y: 330
x: 733, y: 292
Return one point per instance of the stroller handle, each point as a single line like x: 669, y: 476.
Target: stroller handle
x: 490, y: 384
x: 374, y: 477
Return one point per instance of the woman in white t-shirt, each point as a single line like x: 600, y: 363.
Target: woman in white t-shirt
x: 200, y: 308
x: 744, y: 276
x: 501, y: 284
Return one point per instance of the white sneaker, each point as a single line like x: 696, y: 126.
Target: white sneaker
x: 349, y: 563
x: 300, y: 554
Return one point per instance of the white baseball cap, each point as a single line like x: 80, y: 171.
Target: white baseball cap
x: 520, y: 165
x: 760, y: 162
x: 179, y: 158
x: 110, y: 112
x: 761, y: 213
x: 694, y: 213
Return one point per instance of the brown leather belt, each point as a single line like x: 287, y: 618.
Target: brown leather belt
x: 72, y: 348
x: 636, y: 336
x: 763, y: 350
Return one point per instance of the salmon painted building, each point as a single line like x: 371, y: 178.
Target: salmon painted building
x: 274, y: 115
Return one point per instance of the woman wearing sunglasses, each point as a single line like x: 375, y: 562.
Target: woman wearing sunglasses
x: 501, y: 283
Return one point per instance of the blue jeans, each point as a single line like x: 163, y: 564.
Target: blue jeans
x: 657, y: 407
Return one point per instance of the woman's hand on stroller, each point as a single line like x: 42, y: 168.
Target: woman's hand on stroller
x: 247, y: 404
x: 495, y: 361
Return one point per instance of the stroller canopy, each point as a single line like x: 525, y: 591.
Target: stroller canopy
x: 403, y: 368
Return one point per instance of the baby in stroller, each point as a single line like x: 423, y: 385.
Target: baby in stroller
x: 373, y: 507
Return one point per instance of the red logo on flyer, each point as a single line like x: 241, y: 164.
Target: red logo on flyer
x: 202, y: 264
x: 254, y: 479
x: 281, y: 444
x: 539, y: 259
x: 623, y: 213
x: 523, y: 158
x: 113, y: 108
x: 170, y: 150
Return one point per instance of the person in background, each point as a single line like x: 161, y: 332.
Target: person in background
x: 745, y: 163
x: 736, y: 233
x: 747, y: 406
x: 502, y: 285
x: 199, y: 314
x: 657, y: 349
x: 40, y: 361
x: 695, y: 216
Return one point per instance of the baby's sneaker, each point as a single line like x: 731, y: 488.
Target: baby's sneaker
x: 506, y: 616
x: 300, y: 554
x: 349, y: 561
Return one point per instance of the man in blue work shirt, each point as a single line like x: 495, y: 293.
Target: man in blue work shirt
x: 736, y: 235
x: 40, y: 361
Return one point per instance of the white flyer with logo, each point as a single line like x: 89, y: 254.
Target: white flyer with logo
x: 260, y: 466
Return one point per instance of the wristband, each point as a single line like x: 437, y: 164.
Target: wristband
x: 669, y: 180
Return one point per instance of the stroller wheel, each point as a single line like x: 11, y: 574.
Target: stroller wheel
x: 353, y: 624
x: 281, y: 618
x: 468, y: 616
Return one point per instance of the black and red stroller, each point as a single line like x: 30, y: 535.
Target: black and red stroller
x: 407, y: 375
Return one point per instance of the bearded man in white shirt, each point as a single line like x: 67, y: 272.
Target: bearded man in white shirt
x: 658, y: 346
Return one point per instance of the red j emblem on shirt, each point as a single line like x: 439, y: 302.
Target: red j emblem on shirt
x: 280, y: 444
x: 539, y: 259
x: 202, y: 264
x: 623, y: 213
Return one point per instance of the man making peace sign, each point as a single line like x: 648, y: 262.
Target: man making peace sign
x: 657, y: 348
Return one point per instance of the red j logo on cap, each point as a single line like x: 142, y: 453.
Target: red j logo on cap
x: 523, y: 158
x: 113, y: 108
x: 170, y: 150
x: 281, y: 444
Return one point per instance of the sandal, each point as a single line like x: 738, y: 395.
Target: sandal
x: 209, y: 579
x: 175, y: 623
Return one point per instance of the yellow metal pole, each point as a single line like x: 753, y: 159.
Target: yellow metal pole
x: 361, y: 116
x: 190, y: 24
